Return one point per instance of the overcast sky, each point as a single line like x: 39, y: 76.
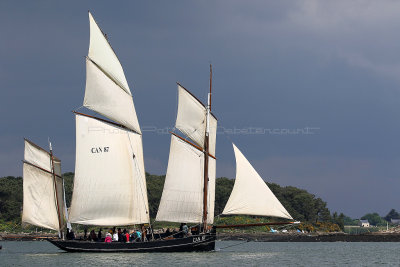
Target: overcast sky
x: 315, y: 84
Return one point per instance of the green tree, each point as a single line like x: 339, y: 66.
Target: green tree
x: 393, y: 214
x: 349, y: 221
x: 374, y: 219
x: 10, y: 198
x: 155, y: 185
x: 299, y: 203
x: 223, y: 189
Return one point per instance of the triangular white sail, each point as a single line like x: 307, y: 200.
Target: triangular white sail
x: 182, y: 197
x: 191, y: 119
x: 250, y: 194
x: 108, y: 99
x: 110, y: 183
x: 107, y: 91
x: 39, y: 203
x: 101, y: 52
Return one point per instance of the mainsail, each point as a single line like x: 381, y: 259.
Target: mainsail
x: 182, y: 197
x: 250, y: 194
x: 110, y: 182
x: 43, y: 197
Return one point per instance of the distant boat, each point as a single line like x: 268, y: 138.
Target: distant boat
x: 110, y: 183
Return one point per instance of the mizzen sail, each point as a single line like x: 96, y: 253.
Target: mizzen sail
x: 250, y: 194
x: 39, y: 190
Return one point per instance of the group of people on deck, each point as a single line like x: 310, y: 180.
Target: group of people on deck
x: 114, y: 235
x: 137, y: 235
x: 125, y: 236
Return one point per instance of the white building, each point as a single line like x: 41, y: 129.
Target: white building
x: 363, y: 223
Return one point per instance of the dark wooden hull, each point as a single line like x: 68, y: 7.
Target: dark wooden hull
x: 202, y: 242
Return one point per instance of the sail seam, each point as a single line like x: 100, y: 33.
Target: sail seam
x: 112, y: 78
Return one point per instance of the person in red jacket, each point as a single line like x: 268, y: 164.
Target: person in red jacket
x: 108, y: 238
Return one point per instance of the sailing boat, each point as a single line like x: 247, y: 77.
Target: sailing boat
x: 110, y: 184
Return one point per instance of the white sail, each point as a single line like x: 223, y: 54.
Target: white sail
x: 39, y: 206
x: 110, y: 183
x: 191, y: 116
x: 39, y: 195
x: 250, y: 194
x: 107, y: 91
x: 101, y: 52
x: 182, y: 197
x: 212, y: 135
x: 105, y: 97
x: 211, y: 189
x: 40, y: 157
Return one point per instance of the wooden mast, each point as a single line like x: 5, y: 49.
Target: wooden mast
x: 206, y: 153
x: 55, y: 189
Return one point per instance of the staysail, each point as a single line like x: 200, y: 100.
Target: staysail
x: 110, y: 183
x: 107, y: 91
x: 39, y: 191
x: 250, y: 194
x: 182, y: 197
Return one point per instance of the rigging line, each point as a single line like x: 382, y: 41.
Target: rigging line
x: 138, y: 170
x: 78, y: 108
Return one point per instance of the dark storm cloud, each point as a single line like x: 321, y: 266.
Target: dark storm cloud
x: 285, y: 65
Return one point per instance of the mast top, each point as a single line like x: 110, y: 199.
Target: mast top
x: 209, y: 98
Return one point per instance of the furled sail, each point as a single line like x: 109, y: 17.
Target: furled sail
x: 107, y: 91
x: 182, y: 197
x: 191, y: 118
x: 250, y: 194
x: 39, y: 193
x: 110, y: 183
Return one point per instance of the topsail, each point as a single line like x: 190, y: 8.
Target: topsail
x: 191, y: 119
x: 107, y: 91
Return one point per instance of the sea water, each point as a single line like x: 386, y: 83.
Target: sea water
x: 228, y: 253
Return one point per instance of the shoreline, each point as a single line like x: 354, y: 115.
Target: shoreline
x: 313, y: 237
